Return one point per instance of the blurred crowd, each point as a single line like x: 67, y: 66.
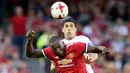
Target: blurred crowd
x: 105, y: 22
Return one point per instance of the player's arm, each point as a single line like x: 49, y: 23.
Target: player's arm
x: 30, y: 51
x: 97, y: 49
x: 90, y: 57
x: 81, y: 49
x: 53, y: 68
x: 93, y: 52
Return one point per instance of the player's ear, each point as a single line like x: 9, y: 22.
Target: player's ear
x: 75, y: 29
x: 62, y: 29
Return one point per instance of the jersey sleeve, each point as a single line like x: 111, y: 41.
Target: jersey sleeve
x: 85, y: 40
x: 47, y: 52
x: 80, y: 47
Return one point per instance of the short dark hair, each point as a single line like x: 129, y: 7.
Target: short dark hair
x: 53, y: 39
x: 67, y: 19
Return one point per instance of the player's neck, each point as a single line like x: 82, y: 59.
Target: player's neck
x: 69, y: 38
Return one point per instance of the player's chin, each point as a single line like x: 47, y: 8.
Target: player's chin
x: 61, y: 56
x: 69, y: 36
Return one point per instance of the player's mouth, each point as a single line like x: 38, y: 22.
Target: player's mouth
x: 69, y: 33
x: 61, y: 55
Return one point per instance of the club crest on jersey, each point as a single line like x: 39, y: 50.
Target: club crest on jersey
x: 71, y: 55
x: 64, y: 61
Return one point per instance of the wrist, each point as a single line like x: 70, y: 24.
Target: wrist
x: 29, y: 40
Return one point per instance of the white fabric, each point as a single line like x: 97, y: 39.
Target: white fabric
x: 89, y: 68
x: 80, y: 38
x: 44, y: 53
x: 83, y: 39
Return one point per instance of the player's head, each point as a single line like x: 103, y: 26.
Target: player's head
x: 69, y: 27
x: 18, y: 10
x: 57, y: 46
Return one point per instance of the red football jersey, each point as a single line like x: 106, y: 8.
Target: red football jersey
x: 19, y: 25
x: 74, y: 61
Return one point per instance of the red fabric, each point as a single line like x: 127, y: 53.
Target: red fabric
x: 128, y: 25
x: 80, y: 47
x: 3, y: 60
x: 97, y: 68
x: 37, y: 24
x: 80, y: 33
x: 74, y: 61
x: 15, y: 1
x: 106, y: 44
x: 19, y: 23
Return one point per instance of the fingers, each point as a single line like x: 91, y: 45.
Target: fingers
x: 32, y: 32
x: 30, y: 35
x: 88, y: 60
x: 106, y: 51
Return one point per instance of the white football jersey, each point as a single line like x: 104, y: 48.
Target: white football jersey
x: 83, y: 39
x: 80, y: 38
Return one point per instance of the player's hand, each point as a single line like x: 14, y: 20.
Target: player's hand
x: 103, y: 49
x: 30, y: 35
x: 87, y: 59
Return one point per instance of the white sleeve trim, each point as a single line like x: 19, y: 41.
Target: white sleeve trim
x: 87, y: 46
x: 44, y: 53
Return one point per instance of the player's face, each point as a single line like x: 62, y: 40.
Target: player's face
x: 58, y: 48
x: 69, y: 30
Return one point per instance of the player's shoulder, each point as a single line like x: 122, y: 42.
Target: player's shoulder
x: 78, y: 43
x: 82, y: 37
x: 47, y: 49
x: 63, y: 39
x: 74, y: 44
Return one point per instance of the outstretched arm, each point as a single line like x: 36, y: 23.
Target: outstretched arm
x: 93, y: 53
x: 97, y: 49
x: 30, y: 51
x: 53, y: 67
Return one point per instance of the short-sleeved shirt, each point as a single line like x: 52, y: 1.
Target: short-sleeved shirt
x: 73, y: 62
x: 82, y: 39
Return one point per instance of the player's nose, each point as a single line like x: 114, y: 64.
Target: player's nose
x: 58, y: 50
x: 69, y: 29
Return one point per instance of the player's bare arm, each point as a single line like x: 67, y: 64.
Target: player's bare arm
x: 97, y: 49
x: 93, y: 57
x: 93, y: 53
x: 90, y: 57
x: 52, y: 68
x: 30, y: 51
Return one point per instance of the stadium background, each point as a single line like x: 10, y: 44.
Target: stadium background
x: 105, y: 22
